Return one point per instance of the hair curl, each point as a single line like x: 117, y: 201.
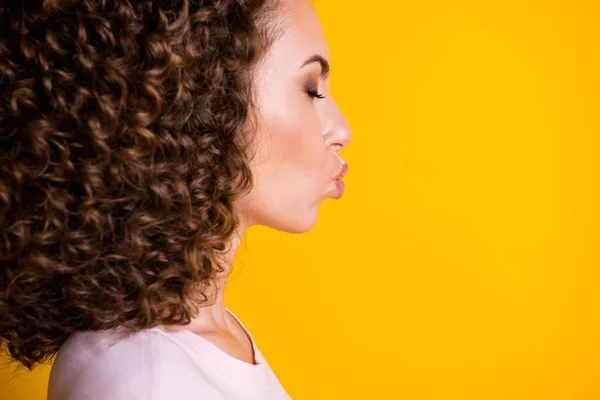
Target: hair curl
x: 121, y: 151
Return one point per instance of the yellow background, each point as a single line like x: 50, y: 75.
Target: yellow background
x: 463, y: 260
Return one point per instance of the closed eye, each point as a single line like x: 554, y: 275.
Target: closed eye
x: 312, y: 92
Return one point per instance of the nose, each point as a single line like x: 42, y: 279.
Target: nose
x: 337, y: 130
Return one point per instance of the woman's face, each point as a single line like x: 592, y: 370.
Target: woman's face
x: 298, y: 135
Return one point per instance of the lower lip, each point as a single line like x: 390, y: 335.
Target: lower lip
x: 340, y: 187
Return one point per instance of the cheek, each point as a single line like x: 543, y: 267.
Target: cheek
x: 291, y: 140
x: 297, y: 151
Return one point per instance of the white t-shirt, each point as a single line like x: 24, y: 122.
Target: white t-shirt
x: 156, y: 364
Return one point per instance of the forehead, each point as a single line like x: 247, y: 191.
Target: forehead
x: 301, y: 33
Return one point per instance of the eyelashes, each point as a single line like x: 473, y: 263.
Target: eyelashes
x: 313, y: 93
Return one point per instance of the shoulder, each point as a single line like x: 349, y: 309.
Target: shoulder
x: 102, y: 365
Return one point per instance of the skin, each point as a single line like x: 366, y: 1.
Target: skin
x: 297, y: 138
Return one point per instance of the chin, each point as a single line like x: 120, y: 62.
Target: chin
x: 295, y: 222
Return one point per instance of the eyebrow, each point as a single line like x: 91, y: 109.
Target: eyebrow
x: 322, y: 61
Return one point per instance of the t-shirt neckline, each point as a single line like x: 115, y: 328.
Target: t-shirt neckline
x: 242, y: 375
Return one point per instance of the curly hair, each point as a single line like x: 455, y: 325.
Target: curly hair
x: 122, y: 149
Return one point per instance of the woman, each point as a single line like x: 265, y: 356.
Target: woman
x: 139, y: 141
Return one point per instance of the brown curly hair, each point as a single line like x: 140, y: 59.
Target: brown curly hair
x: 122, y: 149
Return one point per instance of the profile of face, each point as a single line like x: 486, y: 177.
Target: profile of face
x: 300, y: 128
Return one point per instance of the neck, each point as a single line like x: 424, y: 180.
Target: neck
x: 214, y: 316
